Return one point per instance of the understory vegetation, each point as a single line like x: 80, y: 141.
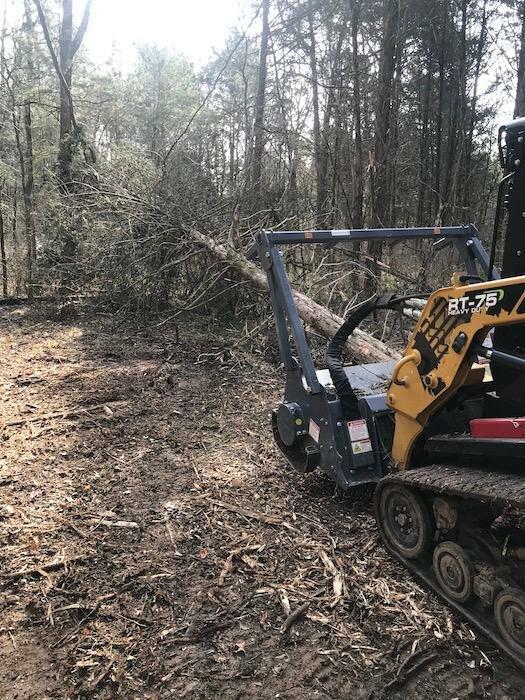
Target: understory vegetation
x: 327, y: 114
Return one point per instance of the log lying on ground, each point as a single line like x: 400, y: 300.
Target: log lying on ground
x: 362, y: 346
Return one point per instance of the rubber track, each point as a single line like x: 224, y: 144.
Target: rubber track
x: 475, y: 484
x: 500, y: 488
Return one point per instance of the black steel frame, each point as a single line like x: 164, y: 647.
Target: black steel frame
x: 465, y: 238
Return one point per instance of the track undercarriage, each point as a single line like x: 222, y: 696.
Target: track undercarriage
x: 460, y: 531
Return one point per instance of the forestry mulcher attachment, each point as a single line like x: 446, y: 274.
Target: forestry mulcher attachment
x: 444, y: 440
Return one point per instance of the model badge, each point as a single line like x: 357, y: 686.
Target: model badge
x: 475, y: 303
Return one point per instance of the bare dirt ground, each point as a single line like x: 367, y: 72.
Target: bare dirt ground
x: 153, y: 544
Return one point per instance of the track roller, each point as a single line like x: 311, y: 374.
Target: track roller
x: 509, y: 613
x: 454, y: 571
x: 404, y: 519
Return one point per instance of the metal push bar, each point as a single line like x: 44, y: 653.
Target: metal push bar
x: 465, y: 238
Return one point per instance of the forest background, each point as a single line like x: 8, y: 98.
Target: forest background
x: 315, y: 113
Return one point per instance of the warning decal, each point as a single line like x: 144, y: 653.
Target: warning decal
x: 358, y: 430
x: 359, y: 436
x: 314, y: 431
x: 360, y: 446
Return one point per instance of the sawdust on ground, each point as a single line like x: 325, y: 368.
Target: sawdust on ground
x: 153, y: 544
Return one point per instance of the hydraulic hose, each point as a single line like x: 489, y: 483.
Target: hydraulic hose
x: 334, y: 351
x: 334, y: 356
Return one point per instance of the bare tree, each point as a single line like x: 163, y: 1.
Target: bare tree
x: 258, y: 123
x: 68, y: 45
x: 519, y: 107
x: 380, y: 170
x: 3, y: 259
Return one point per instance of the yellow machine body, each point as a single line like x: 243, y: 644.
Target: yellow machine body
x: 438, y: 359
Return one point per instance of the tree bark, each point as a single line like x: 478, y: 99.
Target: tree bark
x: 65, y: 150
x: 437, y: 183
x: 424, y: 144
x: 25, y: 154
x: 480, y: 49
x: 361, y: 345
x: 324, y: 219
x: 29, y: 173
x: 320, y: 184
x: 358, y: 185
x: 16, y: 243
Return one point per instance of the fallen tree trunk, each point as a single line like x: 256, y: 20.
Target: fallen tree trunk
x: 362, y: 346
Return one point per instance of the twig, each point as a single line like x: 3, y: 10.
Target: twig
x: 293, y: 617
x: 129, y: 524
x: 226, y: 569
x: 404, y: 672
x: 199, y: 637
x: 43, y: 568
x: 61, y: 414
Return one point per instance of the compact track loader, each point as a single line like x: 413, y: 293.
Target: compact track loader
x: 444, y: 439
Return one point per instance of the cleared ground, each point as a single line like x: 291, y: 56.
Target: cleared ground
x: 153, y: 544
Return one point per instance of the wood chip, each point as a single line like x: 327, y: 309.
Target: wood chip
x: 225, y: 569
x: 119, y: 523
x: 261, y: 517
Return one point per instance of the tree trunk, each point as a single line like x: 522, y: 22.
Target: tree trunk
x: 358, y: 194
x: 27, y: 186
x: 16, y: 243
x: 65, y: 150
x: 3, y: 65
x: 25, y: 153
x: 3, y: 259
x: 380, y: 183
x: 458, y: 167
x: 480, y: 49
x: 323, y: 218
x: 424, y: 145
x: 519, y: 107
x: 393, y: 134
x: 439, y: 118
x: 258, y: 124
x: 361, y: 345
x: 28, y: 129
x: 320, y: 184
